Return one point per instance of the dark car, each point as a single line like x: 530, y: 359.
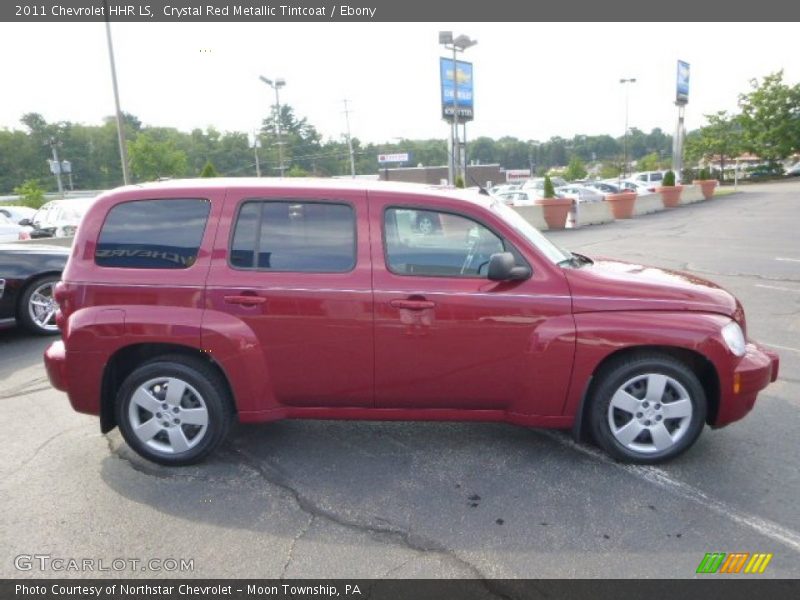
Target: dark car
x: 28, y: 272
x: 186, y: 304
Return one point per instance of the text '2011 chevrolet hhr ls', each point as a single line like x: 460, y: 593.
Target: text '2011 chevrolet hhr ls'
x: 187, y: 304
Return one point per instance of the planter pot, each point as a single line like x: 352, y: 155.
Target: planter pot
x: 622, y: 204
x: 555, y: 211
x: 707, y: 186
x: 670, y: 195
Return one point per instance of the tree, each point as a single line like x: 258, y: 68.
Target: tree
x: 771, y: 118
x: 30, y: 194
x: 297, y: 171
x: 209, y: 170
x: 649, y: 162
x: 575, y: 169
x: 549, y: 190
x: 720, y: 139
x: 151, y: 159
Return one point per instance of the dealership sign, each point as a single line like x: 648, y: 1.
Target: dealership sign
x: 682, y: 91
x: 400, y: 157
x: 518, y: 174
x: 456, y: 83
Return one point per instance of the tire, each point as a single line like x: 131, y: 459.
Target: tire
x: 30, y: 310
x: 647, y: 409
x: 174, y: 436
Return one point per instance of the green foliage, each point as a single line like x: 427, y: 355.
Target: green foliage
x: 649, y: 162
x: 770, y: 118
x: 721, y: 139
x: 296, y: 171
x: 30, y: 194
x: 669, y: 179
x: 610, y: 170
x: 459, y: 181
x: 151, y: 159
x: 704, y: 173
x: 575, y: 169
x: 549, y: 190
x: 209, y: 170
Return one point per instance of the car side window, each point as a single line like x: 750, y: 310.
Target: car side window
x: 295, y: 236
x: 425, y: 242
x: 152, y: 234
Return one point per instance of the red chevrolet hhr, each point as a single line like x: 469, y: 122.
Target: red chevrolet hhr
x: 185, y: 304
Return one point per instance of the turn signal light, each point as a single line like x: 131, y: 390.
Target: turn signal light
x: 737, y: 382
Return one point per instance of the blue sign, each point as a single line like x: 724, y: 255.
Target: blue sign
x: 682, y: 92
x: 456, y: 89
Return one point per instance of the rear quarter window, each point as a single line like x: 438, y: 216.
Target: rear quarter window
x: 153, y: 234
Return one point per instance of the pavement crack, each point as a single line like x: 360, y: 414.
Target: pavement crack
x: 40, y: 448
x: 389, y: 532
x: 290, y: 553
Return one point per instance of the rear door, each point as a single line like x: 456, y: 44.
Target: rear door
x: 297, y: 273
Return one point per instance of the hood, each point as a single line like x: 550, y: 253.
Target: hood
x: 610, y: 285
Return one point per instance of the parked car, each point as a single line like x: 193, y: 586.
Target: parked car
x: 28, y: 272
x: 537, y: 183
x: 185, y: 304
x: 649, y: 178
x: 580, y: 193
x: 17, y: 213
x: 604, y: 187
x: 521, y: 197
x: 637, y: 186
x: 11, y: 232
x: 794, y: 170
x: 59, y: 218
x: 503, y: 188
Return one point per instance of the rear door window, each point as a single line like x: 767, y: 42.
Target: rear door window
x: 153, y: 234
x: 295, y: 236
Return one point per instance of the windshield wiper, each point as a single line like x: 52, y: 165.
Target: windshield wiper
x: 575, y: 260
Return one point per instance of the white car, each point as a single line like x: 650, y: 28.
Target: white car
x: 17, y: 213
x: 537, y: 183
x: 10, y: 231
x: 580, y: 193
x: 651, y: 179
x: 60, y: 218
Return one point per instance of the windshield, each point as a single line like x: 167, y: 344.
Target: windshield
x: 553, y: 253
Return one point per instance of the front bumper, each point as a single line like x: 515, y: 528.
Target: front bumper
x: 754, y: 371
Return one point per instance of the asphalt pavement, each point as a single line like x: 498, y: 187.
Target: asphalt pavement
x: 353, y: 499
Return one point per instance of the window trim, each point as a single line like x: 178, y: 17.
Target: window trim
x: 167, y: 199
x: 506, y: 242
x: 257, y: 243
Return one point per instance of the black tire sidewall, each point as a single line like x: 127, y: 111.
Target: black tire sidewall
x: 613, y: 379
x: 217, y: 405
x: 23, y: 315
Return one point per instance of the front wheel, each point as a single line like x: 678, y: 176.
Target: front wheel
x: 174, y: 411
x: 647, y: 409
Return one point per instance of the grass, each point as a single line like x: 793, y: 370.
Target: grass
x: 725, y: 191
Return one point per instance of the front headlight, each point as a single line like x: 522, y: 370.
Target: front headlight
x: 733, y: 336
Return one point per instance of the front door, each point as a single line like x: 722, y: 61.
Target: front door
x: 297, y: 273
x: 445, y: 336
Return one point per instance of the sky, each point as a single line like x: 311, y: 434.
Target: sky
x: 531, y: 80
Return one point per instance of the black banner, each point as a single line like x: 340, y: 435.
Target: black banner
x: 711, y: 588
x: 393, y: 10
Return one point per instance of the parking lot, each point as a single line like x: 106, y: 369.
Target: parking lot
x: 352, y: 499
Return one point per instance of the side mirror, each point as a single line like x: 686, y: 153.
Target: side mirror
x: 25, y: 223
x: 502, y: 267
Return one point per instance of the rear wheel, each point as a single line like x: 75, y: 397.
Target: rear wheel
x: 37, y: 307
x: 647, y: 409
x: 174, y: 411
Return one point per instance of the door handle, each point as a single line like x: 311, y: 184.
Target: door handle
x: 245, y: 300
x: 412, y: 304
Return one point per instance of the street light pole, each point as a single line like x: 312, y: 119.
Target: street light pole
x: 458, y: 44
x: 349, y: 141
x: 123, y: 152
x: 277, y: 85
x: 625, y: 163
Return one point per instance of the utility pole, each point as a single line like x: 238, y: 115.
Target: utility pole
x: 56, y: 164
x: 349, y: 141
x: 625, y: 160
x: 277, y: 85
x: 255, y: 151
x: 123, y: 152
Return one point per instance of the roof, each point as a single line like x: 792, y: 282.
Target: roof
x: 311, y: 183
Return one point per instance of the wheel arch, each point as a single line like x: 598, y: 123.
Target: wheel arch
x: 699, y: 364
x: 126, y: 359
x: 27, y: 282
